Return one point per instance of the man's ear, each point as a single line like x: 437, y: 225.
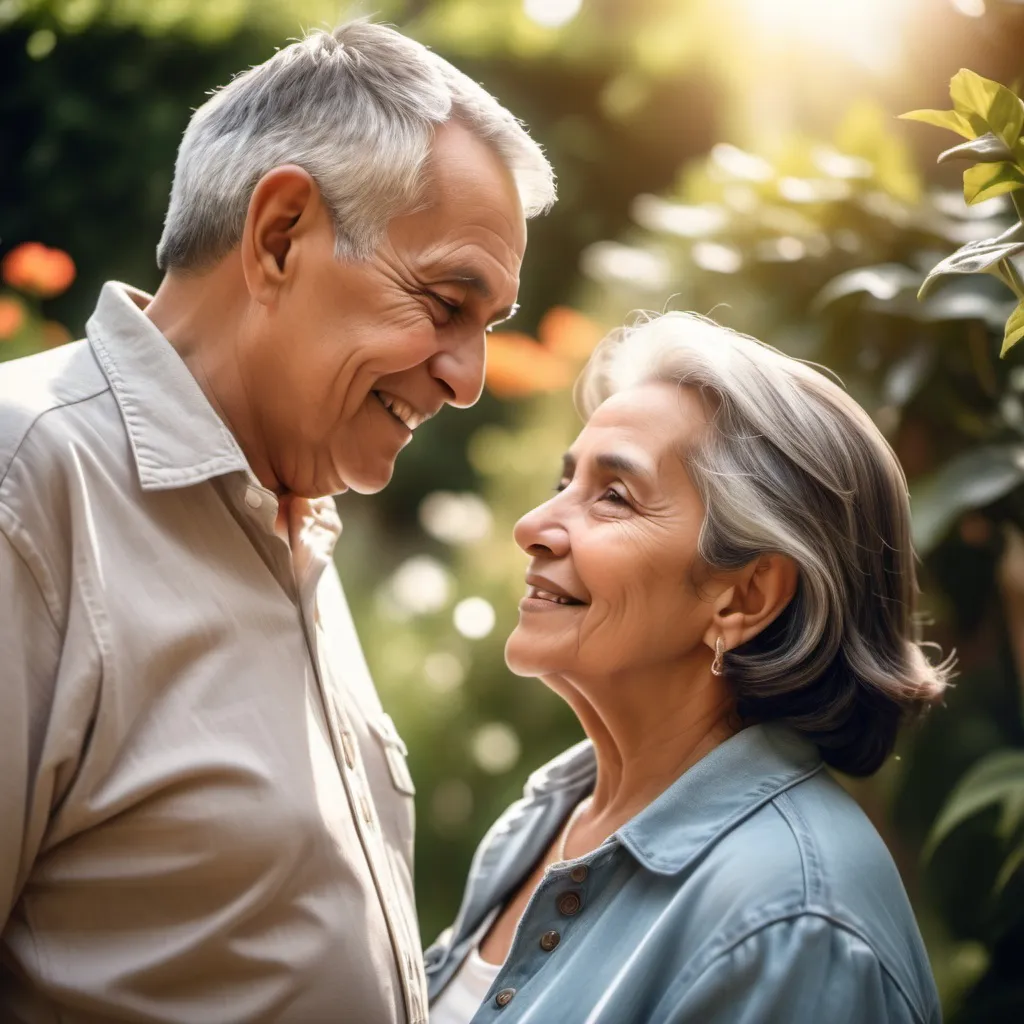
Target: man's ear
x: 757, y: 596
x: 283, y: 206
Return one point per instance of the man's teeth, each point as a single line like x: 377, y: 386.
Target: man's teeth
x: 400, y: 410
x: 544, y: 595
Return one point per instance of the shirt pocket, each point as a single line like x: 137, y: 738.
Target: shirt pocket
x: 395, y: 752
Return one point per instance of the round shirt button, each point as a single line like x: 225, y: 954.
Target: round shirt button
x: 579, y: 873
x: 504, y: 997
x: 253, y: 498
x: 549, y: 940
x: 569, y: 903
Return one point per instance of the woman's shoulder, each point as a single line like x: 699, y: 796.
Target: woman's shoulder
x: 811, y: 852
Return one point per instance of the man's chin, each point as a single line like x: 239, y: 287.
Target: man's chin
x: 365, y: 480
x: 361, y: 481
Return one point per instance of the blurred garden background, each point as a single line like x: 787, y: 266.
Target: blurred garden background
x: 741, y: 158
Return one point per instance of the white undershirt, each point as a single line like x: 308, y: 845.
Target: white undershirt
x: 465, y: 992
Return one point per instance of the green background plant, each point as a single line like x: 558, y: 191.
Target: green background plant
x: 703, y: 164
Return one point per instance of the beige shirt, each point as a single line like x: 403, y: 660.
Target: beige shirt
x: 205, y: 814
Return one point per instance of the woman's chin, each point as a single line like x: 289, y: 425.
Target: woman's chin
x: 522, y: 656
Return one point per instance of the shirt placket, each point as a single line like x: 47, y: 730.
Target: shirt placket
x: 311, y: 554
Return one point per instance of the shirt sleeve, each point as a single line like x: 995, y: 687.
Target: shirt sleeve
x: 803, y: 970
x: 30, y: 648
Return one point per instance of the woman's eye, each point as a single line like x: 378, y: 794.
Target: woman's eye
x: 561, y: 486
x: 614, y: 497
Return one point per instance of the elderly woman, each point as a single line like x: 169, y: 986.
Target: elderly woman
x: 723, y: 590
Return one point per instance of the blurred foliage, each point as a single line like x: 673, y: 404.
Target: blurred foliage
x: 739, y: 158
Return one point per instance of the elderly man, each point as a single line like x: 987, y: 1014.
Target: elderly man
x: 206, y: 814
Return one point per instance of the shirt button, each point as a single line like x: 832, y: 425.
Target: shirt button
x: 364, y: 806
x: 504, y: 997
x: 253, y: 498
x: 569, y: 903
x: 579, y: 873
x: 549, y: 940
x: 349, y: 750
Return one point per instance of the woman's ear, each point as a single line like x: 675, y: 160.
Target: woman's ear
x: 758, y: 595
x: 280, y: 212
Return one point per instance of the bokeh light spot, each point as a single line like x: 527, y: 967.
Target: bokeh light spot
x: 455, y: 518
x: 41, y: 43
x: 474, y: 618
x: 419, y: 586
x: 496, y: 747
x: 443, y: 671
x: 552, y: 13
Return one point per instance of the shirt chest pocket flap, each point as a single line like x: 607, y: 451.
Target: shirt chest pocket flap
x: 395, y: 752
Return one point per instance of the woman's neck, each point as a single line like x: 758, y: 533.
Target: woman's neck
x: 646, y: 734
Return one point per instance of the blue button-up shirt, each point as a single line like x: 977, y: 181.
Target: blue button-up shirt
x: 753, y: 890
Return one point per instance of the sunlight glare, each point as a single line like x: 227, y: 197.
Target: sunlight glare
x: 867, y: 31
x: 552, y: 13
x: 970, y: 8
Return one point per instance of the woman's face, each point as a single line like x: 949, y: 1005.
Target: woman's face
x: 613, y: 553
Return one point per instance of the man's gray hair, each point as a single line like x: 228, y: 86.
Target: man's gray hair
x: 790, y: 463
x: 357, y: 109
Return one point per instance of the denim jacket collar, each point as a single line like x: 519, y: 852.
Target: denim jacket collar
x: 711, y: 798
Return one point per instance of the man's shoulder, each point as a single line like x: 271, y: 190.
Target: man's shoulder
x: 33, y: 389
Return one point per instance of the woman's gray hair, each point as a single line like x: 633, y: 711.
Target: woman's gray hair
x: 792, y: 464
x: 357, y: 109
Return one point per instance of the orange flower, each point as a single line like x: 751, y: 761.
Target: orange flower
x: 33, y: 268
x: 518, y: 366
x: 568, y: 333
x: 12, y: 318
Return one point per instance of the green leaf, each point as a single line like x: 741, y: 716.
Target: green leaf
x: 987, y: 149
x: 974, y: 479
x: 883, y: 282
x: 977, y: 257
x: 986, y: 181
x: 1014, y: 330
x: 1000, y: 109
x: 995, y: 778
x: 1013, y: 863
x: 950, y: 119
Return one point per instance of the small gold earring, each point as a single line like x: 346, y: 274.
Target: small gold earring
x: 717, y: 666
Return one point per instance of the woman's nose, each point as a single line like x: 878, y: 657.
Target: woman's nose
x: 540, y: 532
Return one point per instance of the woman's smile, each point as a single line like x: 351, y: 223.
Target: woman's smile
x: 543, y: 594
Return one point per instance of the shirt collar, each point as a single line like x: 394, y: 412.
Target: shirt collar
x: 711, y: 798
x: 176, y: 437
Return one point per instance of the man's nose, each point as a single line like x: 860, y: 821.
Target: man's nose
x: 460, y: 370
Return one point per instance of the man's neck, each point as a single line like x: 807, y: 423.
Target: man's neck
x: 201, y: 316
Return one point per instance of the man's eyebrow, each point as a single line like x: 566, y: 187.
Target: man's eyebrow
x: 473, y: 280
x: 476, y: 282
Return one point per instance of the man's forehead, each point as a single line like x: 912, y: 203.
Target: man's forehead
x: 492, y: 273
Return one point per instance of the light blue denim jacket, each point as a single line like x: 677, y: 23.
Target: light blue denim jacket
x: 753, y: 890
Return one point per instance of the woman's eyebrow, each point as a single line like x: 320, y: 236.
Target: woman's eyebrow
x: 611, y: 462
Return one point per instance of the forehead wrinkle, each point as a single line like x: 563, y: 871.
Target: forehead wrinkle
x: 476, y: 263
x: 613, y: 462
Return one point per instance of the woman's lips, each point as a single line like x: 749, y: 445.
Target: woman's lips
x: 537, y: 599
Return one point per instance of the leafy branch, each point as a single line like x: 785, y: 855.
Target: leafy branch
x: 991, y: 118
